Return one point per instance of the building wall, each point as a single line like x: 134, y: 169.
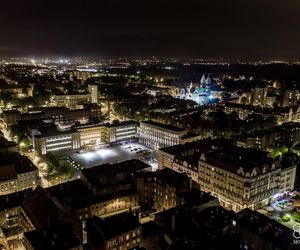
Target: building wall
x: 57, y: 143
x: 234, y: 190
x: 70, y: 101
x: 287, y: 178
x: 91, y: 135
x: 125, y: 241
x: 93, y: 89
x: 117, y: 205
x: 23, y: 181
x: 157, y: 137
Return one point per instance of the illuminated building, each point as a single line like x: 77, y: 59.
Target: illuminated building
x: 283, y: 114
x: 61, y: 115
x: 290, y: 97
x: 107, y: 133
x: 71, y: 100
x: 17, y: 173
x: 199, y: 93
x: 93, y: 89
x: 54, y: 141
x: 239, y: 177
x: 126, y: 130
x: 156, y: 135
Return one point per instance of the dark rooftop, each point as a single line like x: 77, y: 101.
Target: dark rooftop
x: 109, y: 228
x: 13, y: 200
x: 164, y: 126
x: 124, y: 123
x: 17, y: 163
x: 59, y: 237
x: 97, y: 173
x: 266, y: 228
x: 52, y: 131
x: 41, y: 209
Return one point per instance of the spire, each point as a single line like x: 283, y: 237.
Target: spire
x: 202, y: 81
x: 208, y: 81
x: 191, y: 85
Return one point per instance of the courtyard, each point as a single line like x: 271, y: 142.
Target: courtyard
x: 115, y: 153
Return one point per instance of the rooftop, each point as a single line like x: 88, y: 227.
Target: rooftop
x: 97, y: 175
x: 17, y: 163
x: 163, y: 126
x: 41, y: 209
x: 61, y: 236
x: 266, y: 228
x: 109, y: 228
x: 13, y: 200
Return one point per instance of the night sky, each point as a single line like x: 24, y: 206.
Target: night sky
x: 245, y: 29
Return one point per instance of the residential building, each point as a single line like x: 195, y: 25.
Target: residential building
x: 122, y: 231
x: 17, y: 173
x: 239, y: 177
x: 289, y: 97
x: 259, y: 96
x: 283, y: 114
x: 93, y: 89
x: 256, y: 231
x: 71, y: 100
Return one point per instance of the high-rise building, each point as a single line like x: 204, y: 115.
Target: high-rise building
x: 93, y: 89
x: 259, y: 96
x: 290, y: 97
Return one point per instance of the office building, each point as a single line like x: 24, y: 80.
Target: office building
x: 156, y: 135
x: 57, y: 142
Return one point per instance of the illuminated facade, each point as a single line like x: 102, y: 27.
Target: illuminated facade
x: 120, y: 132
x: 199, y: 93
x: 91, y: 134
x: 56, y: 142
x: 239, y: 177
x: 93, y: 89
x: 156, y: 135
x: 71, y: 100
x: 107, y: 133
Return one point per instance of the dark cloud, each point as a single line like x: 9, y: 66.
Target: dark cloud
x: 197, y: 28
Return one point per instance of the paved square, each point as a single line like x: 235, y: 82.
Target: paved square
x: 115, y: 153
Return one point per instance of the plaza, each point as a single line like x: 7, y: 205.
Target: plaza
x: 115, y: 153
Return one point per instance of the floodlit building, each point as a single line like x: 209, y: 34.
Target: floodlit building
x: 54, y: 141
x: 126, y: 130
x: 107, y: 133
x: 156, y: 135
x: 199, y: 93
x: 71, y: 100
